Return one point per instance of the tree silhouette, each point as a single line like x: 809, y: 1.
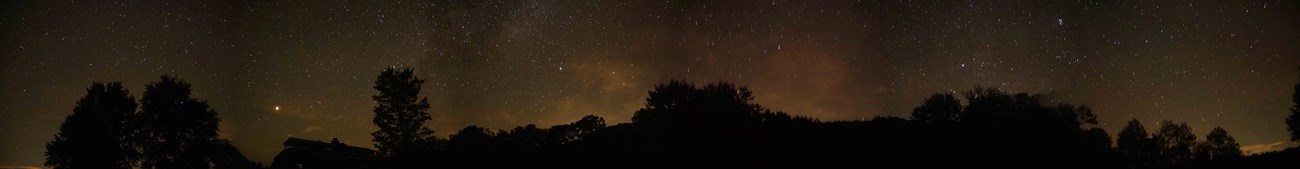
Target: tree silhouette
x: 95, y: 134
x: 1016, y: 128
x: 1293, y: 121
x: 526, y: 140
x: 1219, y: 145
x: 400, y: 113
x: 576, y: 131
x: 472, y: 143
x: 1134, y: 137
x: 987, y: 105
x: 687, y: 123
x: 1137, y: 145
x: 940, y: 108
x: 174, y: 130
x: 1175, y: 141
x: 714, y: 103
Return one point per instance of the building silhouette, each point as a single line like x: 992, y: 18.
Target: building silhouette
x: 308, y: 154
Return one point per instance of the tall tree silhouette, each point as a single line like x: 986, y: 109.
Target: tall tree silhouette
x: 400, y: 113
x: 174, y: 130
x: 1175, y: 141
x: 95, y: 135
x: 1293, y: 121
x: 940, y: 108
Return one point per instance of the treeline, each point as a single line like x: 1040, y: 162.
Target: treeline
x: 718, y: 125
x: 682, y: 125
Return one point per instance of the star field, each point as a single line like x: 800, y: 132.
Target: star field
x: 278, y: 69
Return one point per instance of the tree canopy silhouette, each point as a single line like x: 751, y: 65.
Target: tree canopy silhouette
x: 940, y: 108
x: 1019, y: 131
x: 1136, y: 145
x: 174, y: 130
x: 95, y: 134
x: 1175, y: 141
x: 684, y: 122
x: 400, y: 113
x: 472, y: 143
x: 1218, y: 145
x: 578, y: 130
x: 681, y: 102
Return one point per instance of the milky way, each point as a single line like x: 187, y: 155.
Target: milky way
x: 279, y: 69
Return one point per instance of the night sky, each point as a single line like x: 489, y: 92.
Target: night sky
x: 505, y: 64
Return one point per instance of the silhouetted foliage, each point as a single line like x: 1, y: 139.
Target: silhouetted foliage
x: 716, y: 125
x: 682, y: 123
x: 1175, y: 141
x: 1137, y: 146
x: 1175, y: 146
x: 170, y: 130
x: 174, y: 130
x: 1285, y: 157
x: 941, y: 108
x: 1026, y: 131
x: 400, y: 113
x: 577, y: 131
x: 1293, y: 121
x: 1218, y: 145
x: 1096, y: 139
x: 95, y: 135
x: 472, y: 143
